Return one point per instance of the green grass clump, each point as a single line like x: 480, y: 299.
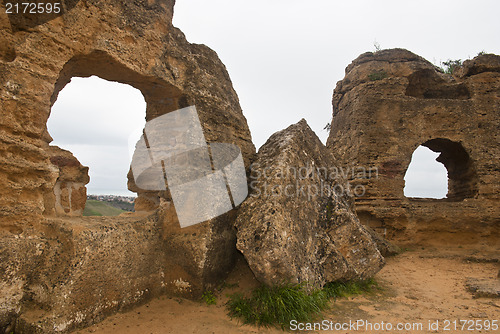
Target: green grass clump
x: 98, y: 208
x: 340, y: 289
x: 209, y: 298
x: 278, y: 305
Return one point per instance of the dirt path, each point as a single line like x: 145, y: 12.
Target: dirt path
x: 421, y: 289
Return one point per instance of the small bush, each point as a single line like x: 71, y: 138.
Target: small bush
x: 451, y: 66
x: 209, y: 298
x: 374, y: 76
x: 226, y: 285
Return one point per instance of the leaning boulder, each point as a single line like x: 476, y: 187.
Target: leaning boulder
x: 298, y: 224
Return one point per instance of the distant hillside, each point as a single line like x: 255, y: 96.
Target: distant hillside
x: 125, y: 203
x: 98, y: 208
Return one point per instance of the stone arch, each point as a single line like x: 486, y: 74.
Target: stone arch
x: 133, y: 42
x: 462, y: 176
x: 425, y: 177
x: 161, y: 97
x: 69, y: 192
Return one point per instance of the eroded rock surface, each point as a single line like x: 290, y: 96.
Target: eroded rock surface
x: 70, y: 194
x: 392, y: 101
x: 132, y: 42
x: 299, y: 225
x: 489, y: 288
x: 126, y: 41
x: 384, y: 246
x: 70, y: 273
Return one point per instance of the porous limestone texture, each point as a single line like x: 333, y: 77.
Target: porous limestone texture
x: 77, y: 269
x: 392, y: 101
x: 299, y: 224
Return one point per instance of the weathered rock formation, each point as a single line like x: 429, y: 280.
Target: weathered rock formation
x: 392, y: 101
x: 69, y: 193
x: 69, y: 273
x: 299, y: 225
x: 52, y: 261
x: 59, y: 271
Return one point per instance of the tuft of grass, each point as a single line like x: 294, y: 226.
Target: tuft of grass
x: 374, y: 76
x: 209, y: 297
x: 340, y: 289
x: 278, y: 305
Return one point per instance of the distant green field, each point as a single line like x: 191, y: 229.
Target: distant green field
x: 98, y: 208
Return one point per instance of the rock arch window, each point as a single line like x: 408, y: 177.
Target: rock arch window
x: 158, y: 98
x: 93, y: 118
x: 461, y: 174
x: 425, y: 177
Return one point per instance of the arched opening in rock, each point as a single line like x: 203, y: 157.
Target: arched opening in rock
x: 93, y: 118
x: 106, y: 128
x: 426, y: 178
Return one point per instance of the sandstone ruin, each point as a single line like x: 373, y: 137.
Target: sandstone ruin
x: 59, y: 271
x: 392, y: 101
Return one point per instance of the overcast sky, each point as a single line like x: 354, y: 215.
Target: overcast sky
x: 284, y: 58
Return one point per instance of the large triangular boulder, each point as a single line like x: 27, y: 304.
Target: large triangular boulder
x: 298, y: 224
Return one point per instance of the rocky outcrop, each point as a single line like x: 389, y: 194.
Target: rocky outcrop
x: 74, y: 272
x: 69, y: 193
x: 129, y: 42
x: 392, y: 101
x: 132, y: 42
x: 71, y: 273
x: 298, y: 224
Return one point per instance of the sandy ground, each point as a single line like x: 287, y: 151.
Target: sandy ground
x: 422, y: 288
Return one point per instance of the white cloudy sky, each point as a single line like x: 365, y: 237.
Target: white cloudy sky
x: 284, y: 58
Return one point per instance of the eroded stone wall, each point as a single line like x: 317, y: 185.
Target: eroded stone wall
x: 48, y: 258
x: 392, y: 101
